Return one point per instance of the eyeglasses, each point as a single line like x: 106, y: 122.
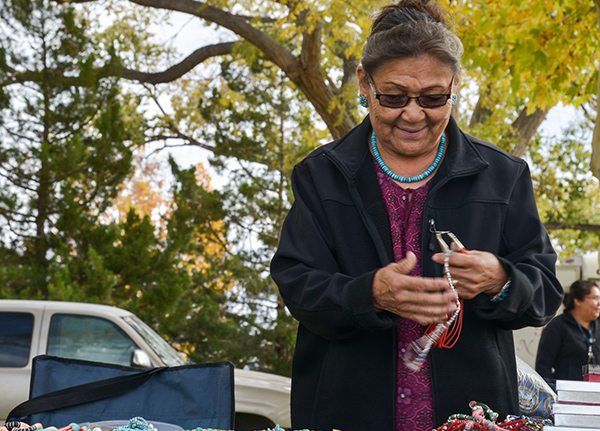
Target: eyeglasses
x: 400, y: 101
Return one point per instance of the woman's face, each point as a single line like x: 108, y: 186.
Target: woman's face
x: 589, y: 308
x: 411, y: 131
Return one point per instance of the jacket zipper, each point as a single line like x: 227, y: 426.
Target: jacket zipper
x: 431, y: 234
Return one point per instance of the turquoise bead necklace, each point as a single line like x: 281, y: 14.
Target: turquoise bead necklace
x: 402, y: 179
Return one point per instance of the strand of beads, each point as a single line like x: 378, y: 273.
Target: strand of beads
x: 451, y: 284
x: 530, y: 423
x: 479, y: 416
x: 418, y: 349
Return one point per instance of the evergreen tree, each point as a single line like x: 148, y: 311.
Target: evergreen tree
x: 66, y: 143
x: 64, y: 149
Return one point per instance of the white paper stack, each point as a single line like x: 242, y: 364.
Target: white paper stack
x: 577, y: 407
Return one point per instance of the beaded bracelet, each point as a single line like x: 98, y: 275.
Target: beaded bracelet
x: 500, y: 296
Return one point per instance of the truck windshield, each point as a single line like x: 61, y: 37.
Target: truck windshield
x: 163, y: 349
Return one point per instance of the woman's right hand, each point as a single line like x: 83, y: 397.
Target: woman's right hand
x: 423, y: 300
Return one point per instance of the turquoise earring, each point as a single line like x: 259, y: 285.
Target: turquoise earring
x: 454, y: 99
x: 362, y: 100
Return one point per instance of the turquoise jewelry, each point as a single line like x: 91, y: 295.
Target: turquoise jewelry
x: 399, y: 178
x: 362, y: 100
x: 454, y: 99
x: 500, y: 296
x: 136, y: 424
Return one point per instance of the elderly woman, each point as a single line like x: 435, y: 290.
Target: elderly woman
x: 571, y: 339
x: 360, y: 266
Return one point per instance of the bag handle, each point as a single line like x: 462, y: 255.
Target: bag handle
x: 82, y: 394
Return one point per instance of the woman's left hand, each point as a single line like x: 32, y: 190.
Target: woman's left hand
x: 474, y: 272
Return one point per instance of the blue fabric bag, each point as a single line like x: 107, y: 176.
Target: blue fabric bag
x: 64, y: 391
x: 536, y: 398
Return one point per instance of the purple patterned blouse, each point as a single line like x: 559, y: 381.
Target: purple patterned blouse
x: 414, y: 403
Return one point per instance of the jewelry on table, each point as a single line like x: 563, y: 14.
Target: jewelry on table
x: 478, y: 421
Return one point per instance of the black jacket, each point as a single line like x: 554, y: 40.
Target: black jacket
x: 563, y: 351
x: 337, y: 236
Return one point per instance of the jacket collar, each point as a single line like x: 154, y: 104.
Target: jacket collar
x: 568, y: 317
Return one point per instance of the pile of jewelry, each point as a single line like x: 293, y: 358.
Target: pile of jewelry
x: 20, y: 426
x: 135, y: 424
x: 478, y: 421
x: 277, y: 428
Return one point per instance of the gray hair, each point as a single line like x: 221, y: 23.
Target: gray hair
x: 411, y: 29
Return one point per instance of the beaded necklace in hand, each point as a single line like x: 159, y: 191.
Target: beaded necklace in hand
x: 418, y: 349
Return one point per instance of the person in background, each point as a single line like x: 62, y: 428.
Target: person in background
x: 361, y: 260
x: 571, y: 339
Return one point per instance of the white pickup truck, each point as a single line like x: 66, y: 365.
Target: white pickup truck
x: 112, y: 335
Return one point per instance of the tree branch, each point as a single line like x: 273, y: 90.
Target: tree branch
x: 310, y: 56
x: 349, y: 67
x: 190, y: 142
x: 272, y: 49
x: 577, y: 226
x: 481, y: 113
x: 526, y: 126
x: 181, y: 68
x: 595, y: 161
x: 168, y: 75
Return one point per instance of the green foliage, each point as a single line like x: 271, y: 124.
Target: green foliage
x: 566, y: 191
x: 200, y: 275
x: 225, y: 319
x: 261, y: 126
x: 537, y: 53
x: 63, y: 148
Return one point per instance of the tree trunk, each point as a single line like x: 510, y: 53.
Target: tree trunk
x: 525, y: 127
x: 595, y: 163
x: 480, y: 113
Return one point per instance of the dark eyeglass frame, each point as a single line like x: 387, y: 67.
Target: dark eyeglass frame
x: 427, y: 101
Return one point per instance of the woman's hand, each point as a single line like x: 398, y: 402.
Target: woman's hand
x: 423, y: 300
x: 474, y: 272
